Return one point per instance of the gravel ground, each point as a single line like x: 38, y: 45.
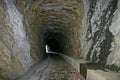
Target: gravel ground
x: 61, y: 70
x: 52, y: 68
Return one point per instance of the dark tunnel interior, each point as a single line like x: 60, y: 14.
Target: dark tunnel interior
x: 55, y: 41
x: 54, y: 45
x: 57, y: 28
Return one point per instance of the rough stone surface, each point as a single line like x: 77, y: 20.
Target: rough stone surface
x: 100, y: 33
x: 14, y: 47
x: 77, y: 28
x: 27, y: 25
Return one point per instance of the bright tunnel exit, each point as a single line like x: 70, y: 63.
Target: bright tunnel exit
x: 47, y: 48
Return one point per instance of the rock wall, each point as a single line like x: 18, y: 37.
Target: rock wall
x: 27, y: 25
x: 100, y: 32
x: 15, y: 58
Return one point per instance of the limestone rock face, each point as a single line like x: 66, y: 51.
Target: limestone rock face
x: 15, y: 56
x: 100, y: 32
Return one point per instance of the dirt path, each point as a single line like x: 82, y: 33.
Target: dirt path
x: 52, y: 68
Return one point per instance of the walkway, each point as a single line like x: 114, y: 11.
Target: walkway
x: 52, y: 68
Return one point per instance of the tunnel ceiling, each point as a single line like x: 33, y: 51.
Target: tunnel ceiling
x: 61, y: 17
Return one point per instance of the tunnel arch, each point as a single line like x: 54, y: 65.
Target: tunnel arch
x: 51, y: 18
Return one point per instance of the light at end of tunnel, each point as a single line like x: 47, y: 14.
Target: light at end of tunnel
x: 47, y: 48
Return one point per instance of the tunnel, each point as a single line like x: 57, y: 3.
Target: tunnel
x: 79, y: 29
x: 55, y: 41
x: 56, y: 25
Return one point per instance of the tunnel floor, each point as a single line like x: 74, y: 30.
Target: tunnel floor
x: 53, y: 67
